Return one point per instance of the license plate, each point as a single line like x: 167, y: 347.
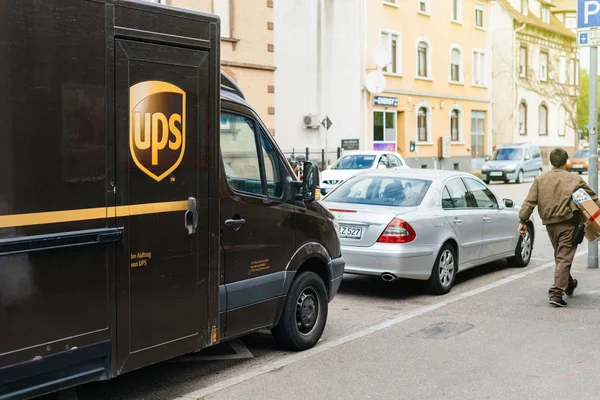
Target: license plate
x: 577, y: 166
x: 495, y: 173
x: 350, y: 232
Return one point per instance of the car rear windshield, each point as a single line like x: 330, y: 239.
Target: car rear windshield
x: 508, y: 154
x: 581, y: 153
x: 381, y: 191
x: 363, y: 161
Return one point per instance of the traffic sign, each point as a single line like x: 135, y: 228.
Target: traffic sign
x: 327, y: 123
x: 588, y: 14
x: 588, y: 38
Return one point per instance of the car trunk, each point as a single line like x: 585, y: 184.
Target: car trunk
x: 365, y: 223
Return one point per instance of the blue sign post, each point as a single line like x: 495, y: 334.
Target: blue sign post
x: 588, y: 22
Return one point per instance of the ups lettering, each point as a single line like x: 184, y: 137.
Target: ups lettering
x: 157, y: 132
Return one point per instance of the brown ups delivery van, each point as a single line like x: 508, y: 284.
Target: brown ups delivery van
x: 145, y: 210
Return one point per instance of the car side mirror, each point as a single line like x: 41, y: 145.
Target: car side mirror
x: 310, y: 182
x: 508, y: 203
x: 487, y: 158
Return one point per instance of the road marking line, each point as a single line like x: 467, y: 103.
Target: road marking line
x: 325, y: 346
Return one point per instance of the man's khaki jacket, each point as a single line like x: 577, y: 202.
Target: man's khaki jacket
x: 552, y: 193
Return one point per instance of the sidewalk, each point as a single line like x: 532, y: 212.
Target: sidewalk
x: 501, y: 342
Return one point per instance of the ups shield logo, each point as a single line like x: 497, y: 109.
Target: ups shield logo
x: 157, y: 127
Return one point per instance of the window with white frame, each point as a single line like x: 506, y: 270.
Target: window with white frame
x: 477, y: 134
x: 571, y: 72
x: 394, y: 2
x: 543, y: 120
x: 562, y: 121
x: 523, y: 118
x: 223, y: 9
x: 543, y: 66
x: 424, y: 6
x: 525, y: 7
x: 457, y: 10
x: 479, y: 8
x: 423, y: 122
x: 479, y: 68
x: 523, y: 62
x: 384, y: 129
x: 423, y: 58
x: 392, y: 44
x: 455, y: 125
x: 456, y: 61
x: 545, y: 13
x: 562, y: 70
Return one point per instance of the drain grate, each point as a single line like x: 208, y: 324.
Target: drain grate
x: 442, y: 330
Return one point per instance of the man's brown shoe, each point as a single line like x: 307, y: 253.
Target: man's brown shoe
x: 571, y: 289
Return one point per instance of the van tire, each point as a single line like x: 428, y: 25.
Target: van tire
x: 306, y: 296
x: 519, y: 177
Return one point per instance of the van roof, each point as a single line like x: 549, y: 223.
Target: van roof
x: 525, y: 144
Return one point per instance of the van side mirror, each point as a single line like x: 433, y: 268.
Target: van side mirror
x: 310, y: 181
x: 527, y: 158
x: 487, y: 158
x: 508, y: 203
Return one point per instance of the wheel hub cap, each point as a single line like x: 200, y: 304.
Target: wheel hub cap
x: 446, y: 268
x: 526, y: 247
x: 307, y: 310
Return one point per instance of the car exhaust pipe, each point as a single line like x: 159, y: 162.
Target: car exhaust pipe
x: 387, y: 277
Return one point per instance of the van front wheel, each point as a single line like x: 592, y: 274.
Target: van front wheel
x: 304, y: 313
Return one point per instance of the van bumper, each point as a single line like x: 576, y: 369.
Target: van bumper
x: 336, y: 272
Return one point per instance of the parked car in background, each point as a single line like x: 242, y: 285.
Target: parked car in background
x: 578, y: 162
x: 513, y: 162
x: 352, y: 163
x: 425, y: 224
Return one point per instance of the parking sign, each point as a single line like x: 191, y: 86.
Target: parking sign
x: 588, y: 14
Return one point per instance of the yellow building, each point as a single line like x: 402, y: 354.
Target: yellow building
x: 438, y: 81
x: 247, y: 47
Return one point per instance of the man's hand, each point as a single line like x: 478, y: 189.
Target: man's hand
x: 523, y: 229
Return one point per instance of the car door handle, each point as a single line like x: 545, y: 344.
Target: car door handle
x: 191, y: 216
x: 235, y: 223
x: 457, y: 221
x: 486, y: 219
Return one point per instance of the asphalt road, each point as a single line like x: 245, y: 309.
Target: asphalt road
x: 390, y: 340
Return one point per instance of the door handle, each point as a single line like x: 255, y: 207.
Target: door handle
x: 457, y: 221
x: 236, y: 222
x: 486, y: 219
x: 191, y: 216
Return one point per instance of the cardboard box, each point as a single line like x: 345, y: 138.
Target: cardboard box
x: 590, y: 212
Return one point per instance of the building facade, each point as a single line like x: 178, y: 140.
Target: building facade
x: 535, y: 76
x: 437, y: 92
x: 247, y: 47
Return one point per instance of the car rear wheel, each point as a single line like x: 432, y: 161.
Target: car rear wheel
x: 304, y: 313
x: 523, y: 251
x: 519, y: 177
x: 444, y: 271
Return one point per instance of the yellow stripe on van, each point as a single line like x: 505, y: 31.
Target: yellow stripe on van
x: 87, y: 214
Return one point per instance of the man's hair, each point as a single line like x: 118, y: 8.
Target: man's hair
x: 558, y: 157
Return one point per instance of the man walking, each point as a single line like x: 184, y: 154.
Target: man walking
x: 552, y: 192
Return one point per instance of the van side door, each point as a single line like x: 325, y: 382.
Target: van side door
x: 257, y: 224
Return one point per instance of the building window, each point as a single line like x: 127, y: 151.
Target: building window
x: 424, y: 6
x: 479, y: 15
x: 456, y: 73
x: 477, y: 134
x: 479, y: 68
x: 394, y: 2
x: 572, y: 72
x: 523, y: 62
x: 562, y: 121
x: 384, y: 130
x: 455, y: 125
x: 571, y: 22
x: 543, y: 66
x: 423, y: 122
x: 543, y: 120
x: 391, y: 42
x: 423, y: 59
x: 562, y: 70
x: 523, y: 118
x: 524, y: 7
x: 545, y: 13
x: 223, y: 9
x: 457, y: 10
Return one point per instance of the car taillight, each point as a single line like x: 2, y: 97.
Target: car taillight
x: 397, y: 231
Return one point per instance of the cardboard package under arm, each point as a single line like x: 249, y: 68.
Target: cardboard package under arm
x: 590, y: 213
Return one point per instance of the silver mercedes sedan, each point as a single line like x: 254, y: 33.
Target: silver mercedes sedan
x: 425, y: 224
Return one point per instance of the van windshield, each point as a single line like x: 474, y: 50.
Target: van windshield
x: 508, y: 154
x: 381, y: 191
x: 581, y: 153
x: 357, y: 161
